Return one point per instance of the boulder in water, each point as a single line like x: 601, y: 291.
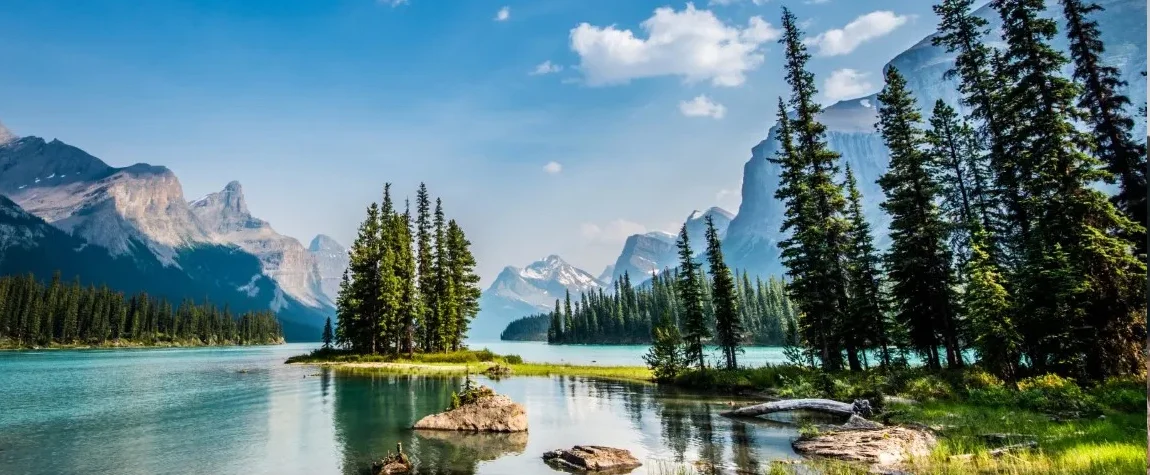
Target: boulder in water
x: 489, y: 413
x: 593, y: 458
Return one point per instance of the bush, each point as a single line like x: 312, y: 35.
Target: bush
x: 929, y: 388
x: 1054, y: 394
x: 1126, y: 394
x: 980, y: 379
x: 513, y: 359
x: 808, y: 432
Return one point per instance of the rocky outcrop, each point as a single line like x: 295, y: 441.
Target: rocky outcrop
x: 494, y: 413
x: 879, y: 447
x: 393, y: 463
x: 593, y: 458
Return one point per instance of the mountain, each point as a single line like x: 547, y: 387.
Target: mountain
x: 518, y: 292
x: 752, y: 240
x: 608, y: 274
x: 225, y: 216
x: 139, y: 214
x: 6, y: 135
x: 28, y: 244
x: 331, y: 259
x: 655, y: 251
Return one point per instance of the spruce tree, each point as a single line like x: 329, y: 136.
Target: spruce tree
x: 918, y: 261
x: 443, y: 310
x: 555, y: 331
x: 728, y: 322
x: 465, y: 282
x: 690, y: 290
x: 994, y: 337
x: 410, y: 303
x: 1121, y: 155
x: 424, y: 266
x: 864, y: 311
x: 816, y: 247
x: 327, y: 336
x: 1082, y: 293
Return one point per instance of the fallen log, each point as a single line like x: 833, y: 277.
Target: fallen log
x: 860, y: 407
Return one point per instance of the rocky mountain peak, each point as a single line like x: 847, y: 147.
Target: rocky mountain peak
x: 325, y: 243
x: 226, y: 211
x: 6, y: 135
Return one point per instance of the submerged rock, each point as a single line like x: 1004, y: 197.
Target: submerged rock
x: 882, y: 447
x: 492, y: 413
x: 593, y: 458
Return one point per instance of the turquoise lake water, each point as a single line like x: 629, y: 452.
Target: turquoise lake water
x: 242, y: 411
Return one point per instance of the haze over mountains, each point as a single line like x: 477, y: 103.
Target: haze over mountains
x: 137, y: 216
x: 750, y: 241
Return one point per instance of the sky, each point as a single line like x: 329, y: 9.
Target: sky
x: 546, y: 126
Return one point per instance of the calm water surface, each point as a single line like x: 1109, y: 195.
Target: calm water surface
x: 241, y: 410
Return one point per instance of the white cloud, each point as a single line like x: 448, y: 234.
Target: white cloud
x: 553, y: 168
x: 612, y: 232
x: 844, y: 40
x: 546, y: 67
x: 702, y: 106
x: 846, y: 84
x: 691, y: 43
x: 503, y: 14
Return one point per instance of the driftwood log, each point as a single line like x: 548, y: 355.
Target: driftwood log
x: 860, y: 407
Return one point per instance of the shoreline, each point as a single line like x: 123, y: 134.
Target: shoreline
x: 130, y: 346
x: 637, y: 374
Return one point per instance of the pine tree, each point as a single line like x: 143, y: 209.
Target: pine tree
x: 406, y: 274
x: 665, y: 357
x: 361, y: 322
x: 442, y: 314
x: 690, y: 291
x: 465, y: 282
x: 728, y: 322
x: 815, y: 251
x: 555, y: 331
x: 424, y: 265
x: 987, y: 305
x: 1082, y: 293
x: 1121, y: 155
x: 327, y: 334
x: 864, y: 312
x: 950, y: 168
x: 918, y: 261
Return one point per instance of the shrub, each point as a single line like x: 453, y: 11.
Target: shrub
x: 929, y: 388
x: 1054, y: 394
x: 513, y: 359
x: 1125, y: 394
x: 808, y: 432
x: 980, y: 379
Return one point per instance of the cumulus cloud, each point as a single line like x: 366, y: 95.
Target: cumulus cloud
x: 503, y: 14
x: 692, y: 44
x: 546, y: 67
x: 844, y: 40
x: 702, y: 106
x: 612, y: 232
x: 553, y: 168
x: 847, y: 83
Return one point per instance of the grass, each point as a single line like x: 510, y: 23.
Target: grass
x: 465, y: 361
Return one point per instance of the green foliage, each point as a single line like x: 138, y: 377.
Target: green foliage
x: 35, y: 314
x: 1125, y: 394
x: 513, y: 359
x: 808, y: 431
x: 728, y: 325
x: 529, y: 328
x: 689, y: 290
x: 1053, y: 394
x: 666, y: 357
x: 928, y: 388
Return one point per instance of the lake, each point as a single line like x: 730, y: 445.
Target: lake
x: 241, y: 410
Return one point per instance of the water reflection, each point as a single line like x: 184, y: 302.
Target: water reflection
x: 372, y: 412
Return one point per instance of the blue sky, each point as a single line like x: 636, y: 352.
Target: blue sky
x: 547, y: 126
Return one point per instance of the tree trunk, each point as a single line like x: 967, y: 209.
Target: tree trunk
x: 818, y: 405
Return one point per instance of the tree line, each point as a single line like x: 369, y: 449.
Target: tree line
x: 1001, y: 240
x: 411, y: 282
x: 630, y: 313
x: 36, y: 314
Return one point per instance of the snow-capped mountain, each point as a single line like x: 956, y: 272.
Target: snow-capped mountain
x: 518, y: 292
x: 656, y: 251
x: 752, y: 239
x: 225, y: 216
x: 331, y: 259
x: 139, y: 214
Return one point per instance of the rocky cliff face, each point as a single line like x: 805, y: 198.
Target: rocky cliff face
x: 644, y: 254
x: 331, y: 259
x: 752, y: 240
x: 226, y: 217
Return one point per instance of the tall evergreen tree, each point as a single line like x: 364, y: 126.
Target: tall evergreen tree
x: 327, y: 336
x: 864, y: 313
x: 1122, y: 156
x: 728, y: 323
x: 465, y: 282
x: 986, y: 302
x: 690, y: 290
x: 1082, y: 297
x: 424, y: 264
x: 918, y: 261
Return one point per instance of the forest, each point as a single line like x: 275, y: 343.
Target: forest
x: 411, y: 283
x: 1003, y: 244
x: 33, y: 314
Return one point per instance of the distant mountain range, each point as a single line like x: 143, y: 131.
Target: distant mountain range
x: 132, y: 229
x: 751, y: 237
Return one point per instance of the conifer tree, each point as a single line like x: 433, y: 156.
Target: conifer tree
x: 986, y: 302
x: 440, y: 318
x: 555, y: 331
x: 410, y: 303
x: 424, y: 265
x: 1121, y: 155
x: 690, y: 291
x: 864, y: 312
x: 1082, y: 293
x: 959, y: 204
x: 918, y: 261
x: 327, y: 336
x: 728, y: 324
x: 464, y: 280
x: 817, y: 246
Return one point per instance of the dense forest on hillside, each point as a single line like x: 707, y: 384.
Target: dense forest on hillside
x: 59, y: 313
x: 1001, y: 241
x: 411, y: 284
x: 529, y: 328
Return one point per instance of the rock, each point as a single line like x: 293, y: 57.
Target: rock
x: 883, y: 447
x: 858, y: 422
x: 497, y: 371
x: 592, y: 458
x: 393, y: 463
x: 494, y: 413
